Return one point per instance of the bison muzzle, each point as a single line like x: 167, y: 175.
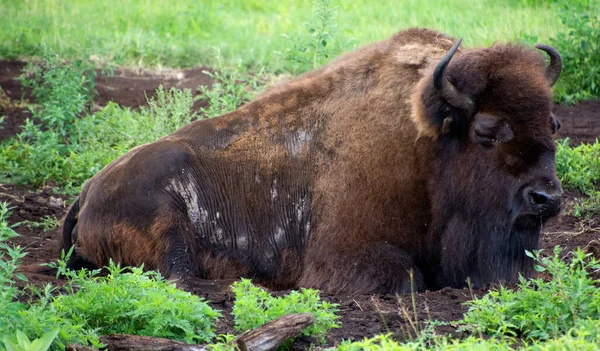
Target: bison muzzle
x: 408, y: 161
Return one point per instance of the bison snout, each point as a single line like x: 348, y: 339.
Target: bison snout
x: 545, y: 202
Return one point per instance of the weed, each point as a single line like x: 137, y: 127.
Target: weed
x: 24, y: 344
x: 578, y: 167
x: 9, y: 256
x: 124, y: 301
x: 541, y: 309
x: 224, y: 342
x: 62, y: 90
x: 320, y: 44
x: 230, y: 88
x: 254, y: 307
x: 587, y: 207
x: 584, y: 337
x: 579, y: 44
x: 36, y: 156
x: 46, y: 223
x: 135, y: 302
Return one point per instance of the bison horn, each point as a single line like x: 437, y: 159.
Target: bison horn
x: 443, y: 85
x: 553, y: 70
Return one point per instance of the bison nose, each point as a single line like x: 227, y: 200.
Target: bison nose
x: 545, y: 203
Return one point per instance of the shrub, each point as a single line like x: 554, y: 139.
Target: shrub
x: 579, y: 45
x: 36, y: 156
x: 131, y: 301
x: 230, y: 88
x: 579, y: 169
x: 541, y: 309
x: 24, y: 344
x: 254, y: 307
x: 63, y: 91
x: 321, y: 42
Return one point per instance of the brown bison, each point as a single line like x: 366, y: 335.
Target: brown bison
x: 408, y: 155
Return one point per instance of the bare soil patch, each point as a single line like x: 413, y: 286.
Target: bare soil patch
x: 362, y: 315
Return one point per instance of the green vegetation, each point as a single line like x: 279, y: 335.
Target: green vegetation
x: 254, y: 307
x: 124, y: 301
x: 575, y: 341
x: 67, y: 143
x: 24, y: 344
x: 230, y: 89
x: 64, y: 143
x: 541, y: 309
x: 130, y: 301
x: 147, y: 33
x: 319, y: 44
x: 579, y: 169
x: 579, y: 45
x: 134, y: 302
x: 558, y: 313
x: 46, y: 223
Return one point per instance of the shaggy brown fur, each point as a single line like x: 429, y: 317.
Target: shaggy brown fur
x: 343, y: 179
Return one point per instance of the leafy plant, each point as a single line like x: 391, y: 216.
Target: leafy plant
x: 24, y: 344
x: 46, y: 223
x: 230, y: 88
x: 578, y: 167
x: 224, y: 342
x: 9, y: 262
x: 587, y: 207
x: 62, y: 90
x: 134, y: 302
x: 254, y: 307
x: 36, y: 156
x: 540, y: 309
x: 320, y: 44
x: 579, y: 46
x: 125, y: 301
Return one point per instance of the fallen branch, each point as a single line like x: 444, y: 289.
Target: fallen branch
x: 264, y: 338
x: 270, y: 335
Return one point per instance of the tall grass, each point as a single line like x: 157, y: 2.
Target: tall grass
x: 180, y: 33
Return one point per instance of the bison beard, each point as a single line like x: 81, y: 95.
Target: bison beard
x: 408, y: 162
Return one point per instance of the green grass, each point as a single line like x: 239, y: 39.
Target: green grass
x: 151, y: 33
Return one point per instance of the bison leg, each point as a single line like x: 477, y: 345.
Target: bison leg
x: 179, y: 262
x: 379, y: 268
x: 181, y: 265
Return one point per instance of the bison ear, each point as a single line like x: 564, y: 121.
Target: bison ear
x: 487, y: 129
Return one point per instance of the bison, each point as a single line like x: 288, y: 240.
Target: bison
x: 411, y: 162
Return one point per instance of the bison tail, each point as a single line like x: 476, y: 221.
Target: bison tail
x: 69, y: 231
x: 69, y: 226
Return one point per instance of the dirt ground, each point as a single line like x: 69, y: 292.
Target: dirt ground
x: 360, y: 315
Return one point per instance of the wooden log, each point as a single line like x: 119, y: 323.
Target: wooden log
x: 121, y: 342
x: 270, y: 335
x: 264, y: 338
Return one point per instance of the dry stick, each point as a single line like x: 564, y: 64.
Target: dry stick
x: 264, y: 338
x: 583, y: 229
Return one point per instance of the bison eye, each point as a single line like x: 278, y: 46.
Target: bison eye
x: 488, y: 129
x: 554, y: 124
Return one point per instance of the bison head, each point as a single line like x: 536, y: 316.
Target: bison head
x: 493, y: 179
